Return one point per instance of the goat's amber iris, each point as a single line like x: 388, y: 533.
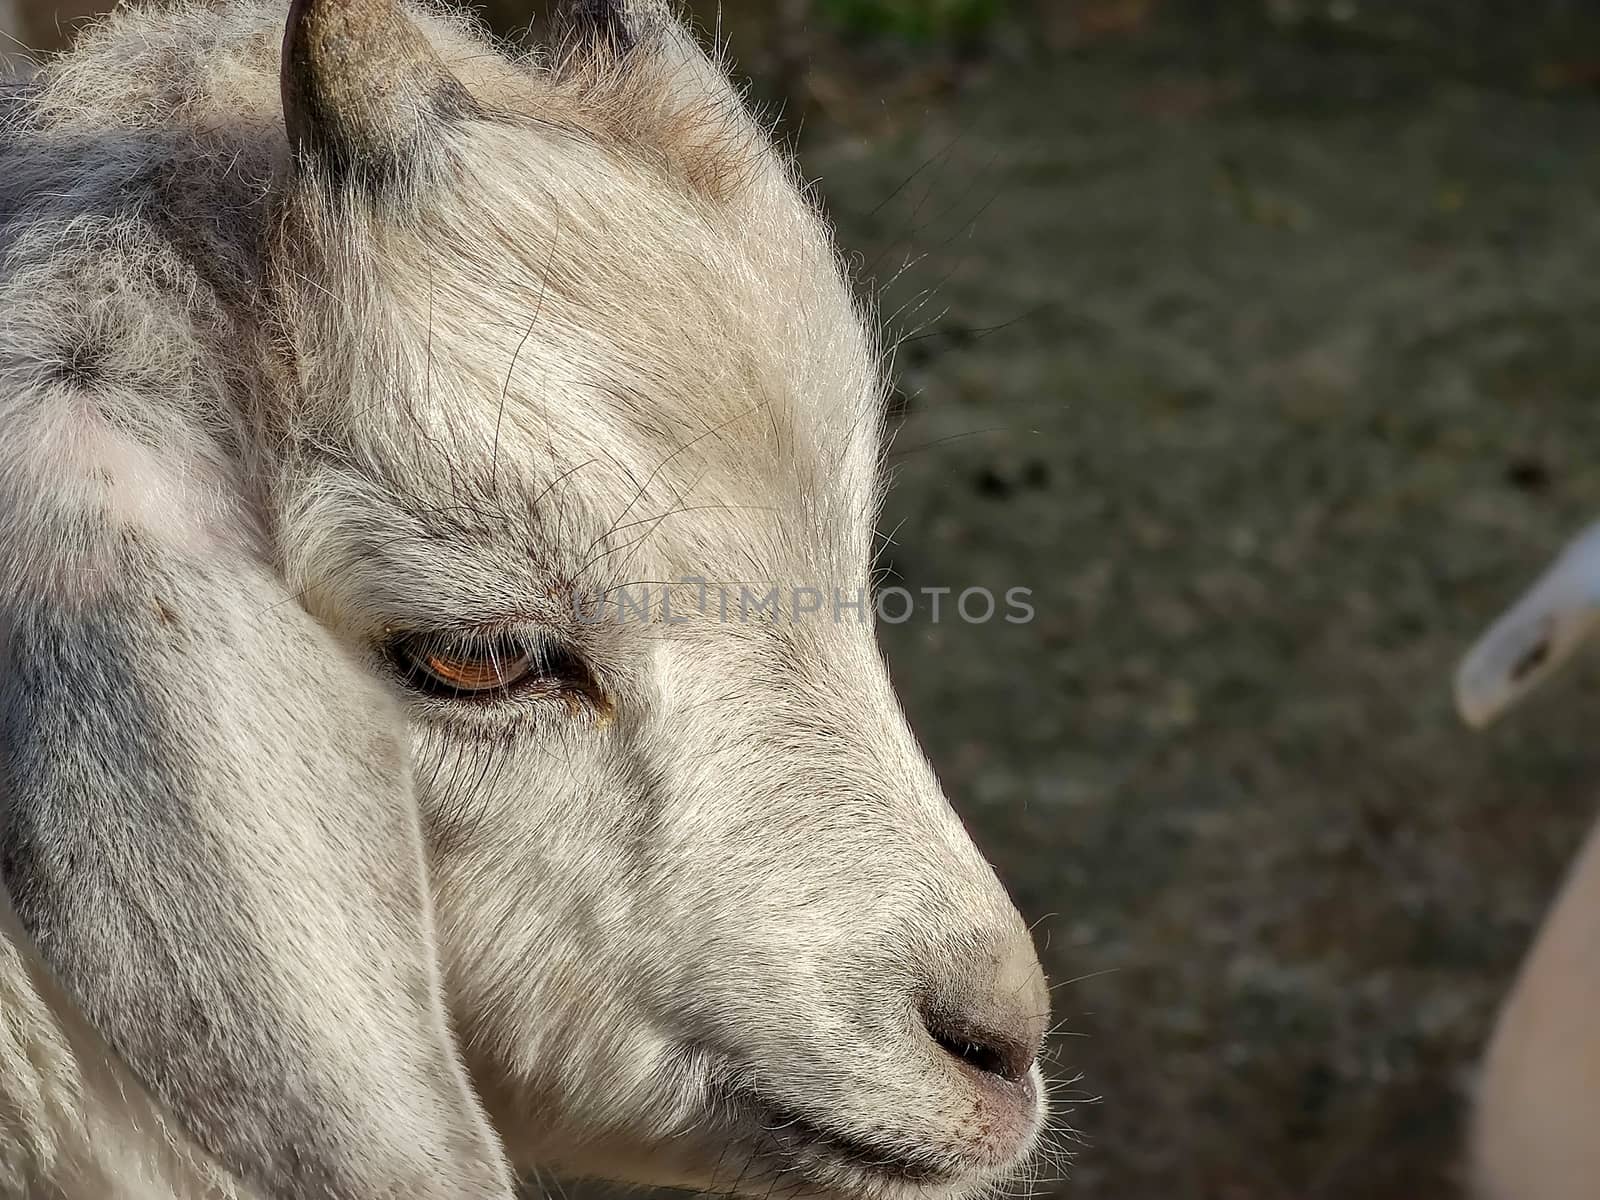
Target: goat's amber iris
x: 483, y: 666
x: 483, y: 671
x: 468, y: 665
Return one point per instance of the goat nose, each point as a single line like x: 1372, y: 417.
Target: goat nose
x: 989, y: 1009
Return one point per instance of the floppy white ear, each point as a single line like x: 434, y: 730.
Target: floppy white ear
x: 1540, y: 632
x: 207, y: 828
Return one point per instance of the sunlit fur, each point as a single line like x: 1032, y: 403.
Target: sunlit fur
x: 598, y: 338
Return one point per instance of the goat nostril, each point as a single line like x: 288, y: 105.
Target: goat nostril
x: 981, y: 1049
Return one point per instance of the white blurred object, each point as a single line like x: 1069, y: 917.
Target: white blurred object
x: 1535, y: 636
x: 1537, y: 1101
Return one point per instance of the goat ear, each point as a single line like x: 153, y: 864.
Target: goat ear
x: 1535, y: 636
x: 364, y: 92
x: 208, y: 831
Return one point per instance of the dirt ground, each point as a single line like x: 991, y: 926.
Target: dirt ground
x: 1274, y: 385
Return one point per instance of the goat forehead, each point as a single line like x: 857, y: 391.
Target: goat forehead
x: 707, y: 310
x: 697, y: 379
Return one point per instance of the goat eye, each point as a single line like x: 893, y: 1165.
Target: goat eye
x: 473, y: 666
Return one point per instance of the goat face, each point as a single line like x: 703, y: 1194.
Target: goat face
x: 555, y: 342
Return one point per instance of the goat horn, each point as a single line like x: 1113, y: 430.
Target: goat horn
x: 362, y: 86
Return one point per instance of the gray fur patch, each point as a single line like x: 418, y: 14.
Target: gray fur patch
x: 114, y: 869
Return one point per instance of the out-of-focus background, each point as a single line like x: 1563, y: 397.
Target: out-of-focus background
x: 1258, y: 338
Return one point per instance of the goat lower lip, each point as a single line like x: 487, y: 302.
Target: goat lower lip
x: 842, y: 1149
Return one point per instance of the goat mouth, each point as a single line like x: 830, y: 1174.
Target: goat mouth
x: 807, y: 1143
x: 842, y: 1165
x: 811, y: 1156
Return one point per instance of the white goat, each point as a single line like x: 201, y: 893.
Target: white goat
x: 341, y: 858
x: 1538, y: 1104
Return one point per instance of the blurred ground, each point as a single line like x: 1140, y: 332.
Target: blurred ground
x: 1266, y: 359
x: 1279, y: 377
x: 1262, y: 350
